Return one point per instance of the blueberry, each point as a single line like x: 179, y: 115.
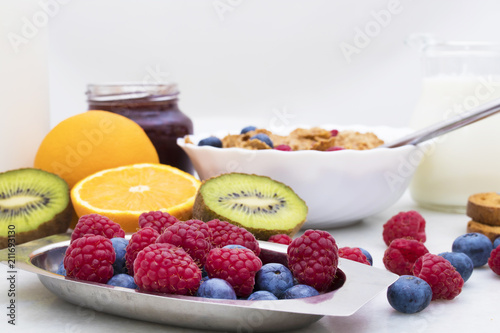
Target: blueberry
x: 262, y: 295
x: 274, y: 278
x: 299, y: 291
x: 462, y: 263
x: 409, y: 294
x: 216, y: 288
x: 477, y: 246
x: 211, y: 141
x: 61, y: 270
x: 119, y: 244
x: 248, y: 129
x: 264, y: 138
x: 122, y: 280
x: 496, y: 242
x: 234, y: 246
x: 368, y: 256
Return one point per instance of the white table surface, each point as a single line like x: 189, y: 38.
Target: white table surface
x: 476, y: 309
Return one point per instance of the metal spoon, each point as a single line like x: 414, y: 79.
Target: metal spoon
x: 446, y: 126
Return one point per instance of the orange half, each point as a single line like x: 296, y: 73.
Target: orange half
x: 124, y: 193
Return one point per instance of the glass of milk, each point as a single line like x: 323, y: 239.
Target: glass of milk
x: 24, y: 82
x: 457, y: 76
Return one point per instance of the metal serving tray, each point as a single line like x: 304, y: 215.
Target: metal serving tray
x: 362, y: 283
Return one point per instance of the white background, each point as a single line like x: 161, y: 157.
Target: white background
x: 258, y: 57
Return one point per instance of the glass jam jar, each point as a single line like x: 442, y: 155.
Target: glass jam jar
x: 152, y: 106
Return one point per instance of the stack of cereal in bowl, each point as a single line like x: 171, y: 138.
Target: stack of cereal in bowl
x: 338, y: 171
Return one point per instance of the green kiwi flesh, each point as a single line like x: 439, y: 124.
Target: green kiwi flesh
x: 261, y: 205
x: 34, y: 204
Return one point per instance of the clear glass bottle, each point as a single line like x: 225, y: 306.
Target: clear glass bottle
x: 154, y: 107
x: 457, y: 76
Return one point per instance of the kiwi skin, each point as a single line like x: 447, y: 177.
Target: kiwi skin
x: 205, y: 214
x: 58, y: 224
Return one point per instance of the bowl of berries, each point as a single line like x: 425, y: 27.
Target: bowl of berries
x: 339, y: 171
x: 203, y: 275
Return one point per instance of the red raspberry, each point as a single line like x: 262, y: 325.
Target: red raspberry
x: 353, y: 253
x: 280, y: 239
x: 139, y: 240
x: 283, y: 148
x: 202, y: 227
x: 236, y: 266
x: 409, y: 225
x: 402, y: 254
x: 439, y: 273
x: 334, y: 132
x: 165, y: 268
x: 225, y: 233
x: 157, y: 220
x: 313, y: 259
x: 494, y: 260
x: 193, y: 236
x: 96, y: 224
x: 90, y: 258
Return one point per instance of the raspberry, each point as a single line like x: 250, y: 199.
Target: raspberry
x: 402, y: 254
x: 280, y: 239
x: 236, y: 266
x: 139, y: 240
x: 193, y: 236
x: 157, y: 220
x: 90, y: 258
x: 409, y: 225
x: 334, y: 132
x: 313, y: 259
x: 283, y: 148
x: 201, y: 227
x: 439, y: 273
x: 225, y: 233
x: 494, y: 260
x: 354, y: 254
x: 96, y: 224
x: 165, y: 268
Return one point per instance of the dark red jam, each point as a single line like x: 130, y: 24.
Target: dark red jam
x: 152, y: 106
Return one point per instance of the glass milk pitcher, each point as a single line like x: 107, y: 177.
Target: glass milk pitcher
x: 457, y: 76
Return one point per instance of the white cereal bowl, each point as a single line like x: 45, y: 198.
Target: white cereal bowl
x: 339, y: 187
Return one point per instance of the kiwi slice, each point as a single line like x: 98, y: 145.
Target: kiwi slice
x: 261, y: 205
x: 33, y: 203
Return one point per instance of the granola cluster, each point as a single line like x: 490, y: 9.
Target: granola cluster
x: 305, y: 139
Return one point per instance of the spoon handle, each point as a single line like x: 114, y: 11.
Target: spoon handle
x: 446, y: 126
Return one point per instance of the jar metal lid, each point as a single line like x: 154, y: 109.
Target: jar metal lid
x: 119, y: 91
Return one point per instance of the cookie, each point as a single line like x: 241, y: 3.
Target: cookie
x: 484, y: 208
x: 492, y: 232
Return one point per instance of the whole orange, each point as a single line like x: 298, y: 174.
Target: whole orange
x: 93, y: 141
